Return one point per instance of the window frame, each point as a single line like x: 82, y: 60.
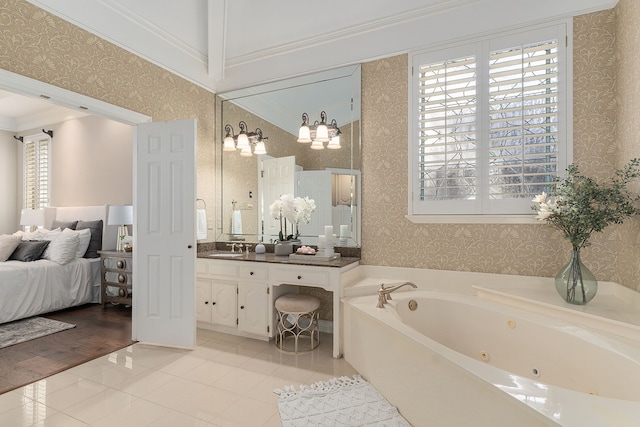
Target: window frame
x: 456, y: 211
x: 34, y: 139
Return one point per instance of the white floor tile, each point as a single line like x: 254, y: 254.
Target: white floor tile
x: 225, y: 381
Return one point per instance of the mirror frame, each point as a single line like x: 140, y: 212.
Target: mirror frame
x: 351, y: 72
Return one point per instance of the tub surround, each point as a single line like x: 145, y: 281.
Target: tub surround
x: 447, y: 380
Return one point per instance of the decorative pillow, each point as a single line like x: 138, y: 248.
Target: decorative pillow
x: 63, y: 248
x: 64, y: 224
x: 8, y: 244
x: 28, y: 251
x: 85, y: 238
x: 32, y: 235
x: 50, y: 236
x: 96, y: 237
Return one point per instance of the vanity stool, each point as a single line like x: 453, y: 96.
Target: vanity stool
x: 297, y: 318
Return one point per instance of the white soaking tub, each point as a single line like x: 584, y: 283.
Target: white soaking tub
x: 460, y: 359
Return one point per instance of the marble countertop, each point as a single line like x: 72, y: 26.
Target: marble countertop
x: 272, y: 258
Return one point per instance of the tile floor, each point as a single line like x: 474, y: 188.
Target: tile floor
x: 225, y: 381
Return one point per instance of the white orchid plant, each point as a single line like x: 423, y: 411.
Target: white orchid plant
x: 291, y: 210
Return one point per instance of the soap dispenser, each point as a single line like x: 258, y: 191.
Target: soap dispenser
x: 260, y: 249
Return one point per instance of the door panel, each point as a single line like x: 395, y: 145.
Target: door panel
x: 164, y: 233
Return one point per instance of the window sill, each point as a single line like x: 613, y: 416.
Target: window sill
x: 472, y: 219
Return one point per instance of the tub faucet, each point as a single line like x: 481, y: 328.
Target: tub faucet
x: 384, y: 294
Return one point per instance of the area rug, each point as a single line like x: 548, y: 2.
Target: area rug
x: 340, y: 401
x: 28, y: 329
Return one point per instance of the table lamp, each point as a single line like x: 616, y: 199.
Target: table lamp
x: 120, y: 216
x: 32, y: 217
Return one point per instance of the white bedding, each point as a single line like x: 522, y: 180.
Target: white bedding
x: 31, y: 288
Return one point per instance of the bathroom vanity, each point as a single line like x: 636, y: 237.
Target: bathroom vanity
x: 235, y: 294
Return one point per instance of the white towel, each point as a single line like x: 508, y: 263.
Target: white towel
x: 236, y: 222
x: 201, y: 224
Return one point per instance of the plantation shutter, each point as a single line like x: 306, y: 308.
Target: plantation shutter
x: 36, y: 173
x: 489, y: 123
x: 447, y: 130
x: 523, y: 105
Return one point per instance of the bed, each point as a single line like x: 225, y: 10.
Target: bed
x: 44, y: 285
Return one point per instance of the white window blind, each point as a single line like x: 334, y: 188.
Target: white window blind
x: 523, y: 117
x: 36, y: 172
x: 489, y: 121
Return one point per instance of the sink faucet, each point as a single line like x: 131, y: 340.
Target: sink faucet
x: 384, y: 294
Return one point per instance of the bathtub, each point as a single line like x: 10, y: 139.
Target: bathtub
x: 463, y: 359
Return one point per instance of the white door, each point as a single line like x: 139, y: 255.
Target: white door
x: 277, y: 178
x: 252, y: 308
x: 317, y: 186
x: 164, y: 233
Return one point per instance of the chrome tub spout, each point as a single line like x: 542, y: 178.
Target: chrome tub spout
x: 384, y: 294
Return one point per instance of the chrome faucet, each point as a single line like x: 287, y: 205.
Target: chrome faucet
x: 384, y: 294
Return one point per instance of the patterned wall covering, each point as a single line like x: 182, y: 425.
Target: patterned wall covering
x: 627, y: 135
x: 536, y: 249
x: 41, y: 46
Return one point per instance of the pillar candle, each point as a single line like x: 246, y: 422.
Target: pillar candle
x: 344, y: 230
x: 328, y: 231
x: 321, y: 241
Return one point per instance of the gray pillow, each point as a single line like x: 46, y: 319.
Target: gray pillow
x: 29, y: 250
x: 63, y: 224
x: 95, y: 244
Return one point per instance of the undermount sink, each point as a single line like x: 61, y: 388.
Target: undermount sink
x: 225, y: 255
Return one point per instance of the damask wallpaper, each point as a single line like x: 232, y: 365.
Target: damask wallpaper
x: 44, y: 47
x: 606, y: 100
x: 536, y: 249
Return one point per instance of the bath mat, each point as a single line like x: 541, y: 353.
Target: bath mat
x: 28, y: 329
x: 340, y: 401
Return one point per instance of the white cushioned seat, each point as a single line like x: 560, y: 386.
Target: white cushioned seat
x: 297, y: 319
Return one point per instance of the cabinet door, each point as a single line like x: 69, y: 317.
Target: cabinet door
x: 224, y: 300
x: 203, y: 300
x: 252, y: 308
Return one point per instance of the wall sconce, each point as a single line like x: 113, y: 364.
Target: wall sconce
x: 319, y: 133
x: 244, y: 140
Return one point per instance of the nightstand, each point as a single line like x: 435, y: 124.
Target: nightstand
x: 116, y: 274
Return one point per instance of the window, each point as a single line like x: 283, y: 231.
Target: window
x: 489, y: 123
x: 35, y: 158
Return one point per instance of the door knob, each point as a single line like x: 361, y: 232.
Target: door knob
x: 189, y: 247
x: 242, y: 307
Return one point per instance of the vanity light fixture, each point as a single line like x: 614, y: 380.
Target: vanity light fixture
x: 319, y: 133
x: 244, y: 140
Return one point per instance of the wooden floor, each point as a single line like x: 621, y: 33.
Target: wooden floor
x: 98, y: 332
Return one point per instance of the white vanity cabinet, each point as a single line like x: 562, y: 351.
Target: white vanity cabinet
x: 257, y: 285
x: 232, y: 297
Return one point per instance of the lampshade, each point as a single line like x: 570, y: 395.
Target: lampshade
x: 229, y: 144
x: 260, y: 148
x: 120, y: 215
x: 317, y: 145
x: 304, y: 134
x: 32, y: 217
x: 334, y: 143
x: 243, y: 141
x: 246, y: 151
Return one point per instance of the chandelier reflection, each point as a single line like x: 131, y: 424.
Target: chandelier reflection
x: 244, y: 141
x: 319, y: 133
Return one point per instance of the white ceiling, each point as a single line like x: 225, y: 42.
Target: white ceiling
x: 225, y: 45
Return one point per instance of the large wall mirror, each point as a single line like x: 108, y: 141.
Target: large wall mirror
x: 251, y: 182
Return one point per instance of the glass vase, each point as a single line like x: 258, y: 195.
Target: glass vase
x: 575, y: 283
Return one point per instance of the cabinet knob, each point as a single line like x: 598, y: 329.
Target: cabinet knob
x: 299, y: 277
x: 189, y: 247
x: 120, y: 264
x: 122, y: 278
x: 213, y: 303
x: 251, y: 273
x: 206, y: 302
x: 242, y: 307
